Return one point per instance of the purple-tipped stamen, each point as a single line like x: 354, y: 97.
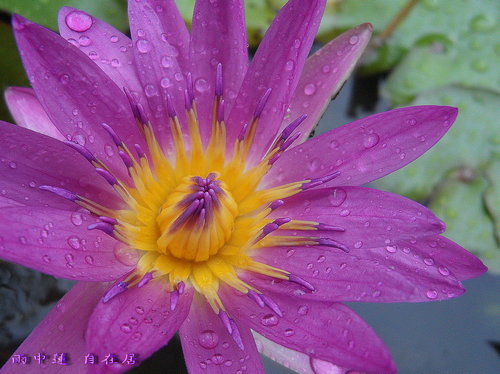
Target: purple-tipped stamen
x: 170, y: 107
x: 220, y: 112
x: 218, y: 81
x: 188, y: 104
x: 82, y: 150
x: 332, y: 243
x: 272, y: 305
x: 243, y: 132
x: 226, y: 321
x: 193, y: 207
x: 109, y: 220
x: 287, y: 131
x: 174, y: 299
x: 326, y: 227
x: 319, y: 181
x: 262, y: 103
x: 145, y: 279
x: 190, y: 87
x: 60, y: 192
x: 290, y: 141
x: 256, y: 297
x: 236, y: 335
x: 272, y: 226
x: 107, y: 175
x: 143, y: 118
x: 126, y: 159
x: 140, y: 151
x: 181, y: 287
x: 117, y: 289
x: 103, y: 226
x: 295, y: 279
x: 132, y: 102
x: 276, y: 204
x: 112, y: 134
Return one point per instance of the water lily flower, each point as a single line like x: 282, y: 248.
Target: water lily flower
x: 175, y: 181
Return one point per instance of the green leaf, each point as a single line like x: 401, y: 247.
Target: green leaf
x: 44, y: 12
x: 469, y: 143
x: 459, y: 202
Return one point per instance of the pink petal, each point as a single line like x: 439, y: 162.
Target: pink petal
x: 324, y: 74
x: 276, y: 65
x: 370, y: 217
x: 447, y: 256
x: 62, y: 331
x: 31, y: 160
x: 218, y: 36
x: 327, y: 331
x: 393, y: 273
x: 158, y: 68
x: 77, y: 95
x: 208, y: 348
x: 28, y: 112
x: 57, y: 242
x: 366, y: 149
x: 138, y: 321
x: 109, y: 48
x: 296, y: 361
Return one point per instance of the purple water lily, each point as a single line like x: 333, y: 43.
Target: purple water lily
x: 175, y: 180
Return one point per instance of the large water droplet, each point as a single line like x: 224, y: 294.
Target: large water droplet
x: 208, y: 339
x: 78, y: 21
x: 126, y: 255
x: 269, y: 320
x: 390, y: 249
x: 201, y: 85
x: 431, y: 294
x: 310, y: 89
x: 74, y: 242
x: 143, y: 46
x: 370, y: 141
x: 76, y: 218
x: 337, y: 197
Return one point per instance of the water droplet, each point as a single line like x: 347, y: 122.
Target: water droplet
x: 358, y: 244
x: 321, y: 259
x: 303, y: 310
x: 443, y: 270
x: 353, y: 39
x: 428, y: 261
x: 46, y: 259
x: 269, y: 320
x: 337, y: 197
x: 326, y: 69
x: 89, y: 260
x: 126, y: 328
x: 165, y: 82
x: 217, y: 359
x: 371, y: 141
x: 431, y: 294
x: 313, y: 164
x: 84, y: 41
x: 310, y: 89
x: 344, y: 212
x: 115, y: 63
x: 137, y: 335
x: 22, y: 240
x: 126, y: 255
x: 78, y: 21
x: 76, y: 218
x: 143, y: 46
x: 390, y: 249
x: 69, y: 258
x: 289, y: 65
x: 113, y: 39
x: 289, y: 332
x: 290, y: 252
x: 201, y: 85
x: 12, y: 165
x: 166, y: 61
x: 208, y: 339
x: 74, y: 242
x: 139, y: 310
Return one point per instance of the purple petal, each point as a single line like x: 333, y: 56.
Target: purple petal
x: 209, y: 348
x: 159, y: 71
x: 31, y: 160
x: 62, y: 331
x: 296, y: 361
x: 28, y: 112
x: 327, y: 331
x: 276, y: 65
x: 218, y: 35
x: 77, y: 95
x: 369, y: 217
x: 324, y: 74
x: 138, y: 321
x: 447, y: 256
x: 109, y: 48
x: 366, y: 149
x: 57, y: 242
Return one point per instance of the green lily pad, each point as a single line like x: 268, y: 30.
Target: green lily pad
x: 44, y: 12
x: 492, y: 194
x: 466, y: 23
x: 459, y: 202
x: 469, y: 143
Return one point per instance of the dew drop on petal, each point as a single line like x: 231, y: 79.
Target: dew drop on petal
x: 289, y: 65
x: 126, y: 328
x: 289, y: 332
x: 431, y: 294
x: 443, y: 270
x: 76, y: 218
x: 390, y: 249
x: 74, y: 242
x: 46, y: 259
x: 208, y: 339
x: 78, y: 21
x: 310, y: 89
x: 126, y: 255
x: 139, y: 310
x: 269, y: 320
x: 201, y: 85
x: 303, y: 310
x: 371, y: 141
x: 89, y: 260
x: 353, y: 39
x: 217, y: 359
x: 337, y: 197
x: 143, y: 46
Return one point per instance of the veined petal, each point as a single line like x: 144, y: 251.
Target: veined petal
x: 324, y: 74
x: 109, y: 48
x: 296, y: 361
x: 29, y: 113
x: 31, y: 160
x: 76, y: 94
x: 62, y: 331
x: 58, y: 243
x: 218, y: 36
x: 366, y: 149
x: 157, y: 66
x: 327, y: 331
x: 276, y: 65
x: 138, y: 321
x: 386, y: 274
x: 208, y: 347
x: 447, y: 256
